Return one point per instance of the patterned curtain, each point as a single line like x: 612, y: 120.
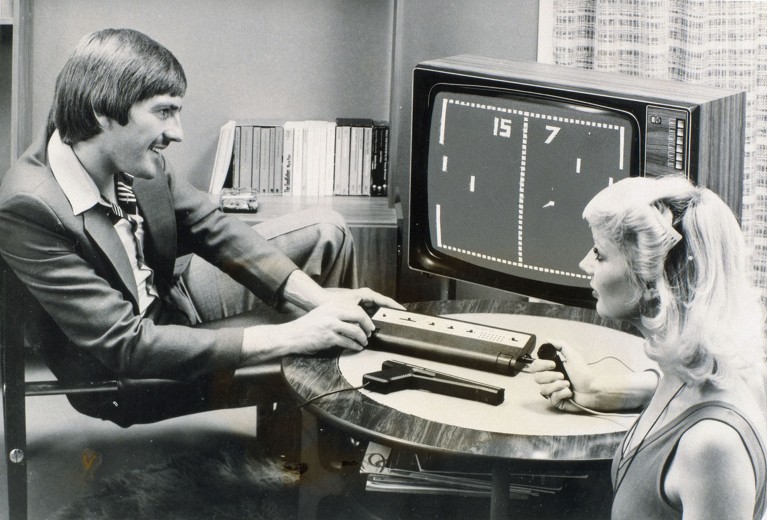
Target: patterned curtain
x: 714, y: 42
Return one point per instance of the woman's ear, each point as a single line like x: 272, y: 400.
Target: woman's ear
x: 649, y: 305
x: 650, y: 292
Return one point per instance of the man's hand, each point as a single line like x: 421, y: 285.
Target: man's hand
x: 303, y: 292
x: 334, y: 324
x: 340, y: 321
x: 366, y: 298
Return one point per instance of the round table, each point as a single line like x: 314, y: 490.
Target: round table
x: 372, y: 416
x: 531, y: 431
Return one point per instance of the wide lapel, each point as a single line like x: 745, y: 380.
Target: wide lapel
x: 156, y: 207
x: 99, y: 227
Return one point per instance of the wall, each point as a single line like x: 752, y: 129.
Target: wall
x: 428, y: 29
x: 298, y: 59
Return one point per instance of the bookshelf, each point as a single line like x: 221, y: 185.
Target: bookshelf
x: 345, y: 157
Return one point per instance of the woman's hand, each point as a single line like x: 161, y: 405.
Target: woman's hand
x: 607, y: 390
x: 559, y: 390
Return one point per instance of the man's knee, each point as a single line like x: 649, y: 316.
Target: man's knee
x: 320, y: 243
x: 336, y: 243
x: 332, y: 227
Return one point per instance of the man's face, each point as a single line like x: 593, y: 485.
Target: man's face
x: 136, y: 147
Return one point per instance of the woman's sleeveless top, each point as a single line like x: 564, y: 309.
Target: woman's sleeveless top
x: 638, y: 479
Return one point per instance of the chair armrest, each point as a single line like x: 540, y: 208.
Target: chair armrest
x: 251, y: 386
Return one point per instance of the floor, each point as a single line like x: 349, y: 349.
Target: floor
x: 67, y: 451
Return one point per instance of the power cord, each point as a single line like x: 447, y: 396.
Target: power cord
x: 607, y: 415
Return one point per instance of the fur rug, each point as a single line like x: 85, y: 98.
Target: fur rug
x: 219, y: 486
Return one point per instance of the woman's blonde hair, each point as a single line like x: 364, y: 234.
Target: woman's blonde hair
x: 690, y: 265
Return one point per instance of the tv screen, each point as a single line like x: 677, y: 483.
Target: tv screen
x: 508, y: 175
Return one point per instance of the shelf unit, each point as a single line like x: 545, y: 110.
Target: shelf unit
x: 6, y: 12
x: 20, y: 119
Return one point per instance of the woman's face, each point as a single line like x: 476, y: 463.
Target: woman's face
x: 616, y: 296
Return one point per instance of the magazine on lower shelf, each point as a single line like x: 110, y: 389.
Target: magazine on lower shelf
x: 391, y: 470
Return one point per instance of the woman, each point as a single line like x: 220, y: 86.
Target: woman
x: 670, y: 258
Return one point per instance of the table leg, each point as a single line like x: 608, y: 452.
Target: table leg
x: 499, y: 499
x: 316, y: 482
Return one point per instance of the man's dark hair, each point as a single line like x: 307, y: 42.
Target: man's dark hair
x: 107, y: 73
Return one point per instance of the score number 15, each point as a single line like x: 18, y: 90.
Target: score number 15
x: 501, y: 127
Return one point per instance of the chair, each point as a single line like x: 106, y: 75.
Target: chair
x: 16, y: 304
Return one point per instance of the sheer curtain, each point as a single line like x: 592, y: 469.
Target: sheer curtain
x: 715, y: 42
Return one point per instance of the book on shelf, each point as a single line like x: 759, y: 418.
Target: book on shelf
x: 343, y: 141
x: 357, y: 128
x: 313, y: 159
x: 276, y: 160
x: 367, y: 157
x: 330, y: 158
x: 380, y: 161
x: 247, y: 151
x: 287, y: 159
x: 261, y: 175
x: 298, y: 158
x: 235, y: 181
x: 259, y: 150
x: 302, y: 157
x: 223, y: 160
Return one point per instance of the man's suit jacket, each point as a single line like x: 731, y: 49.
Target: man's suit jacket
x: 76, y: 268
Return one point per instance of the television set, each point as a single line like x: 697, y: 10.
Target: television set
x: 505, y: 155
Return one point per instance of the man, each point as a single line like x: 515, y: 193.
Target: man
x: 114, y: 301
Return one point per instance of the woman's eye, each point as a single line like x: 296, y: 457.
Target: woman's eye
x: 597, y: 256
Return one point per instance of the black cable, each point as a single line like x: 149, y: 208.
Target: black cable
x: 612, y: 357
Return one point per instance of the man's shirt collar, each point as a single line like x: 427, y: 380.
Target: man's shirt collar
x: 75, y: 182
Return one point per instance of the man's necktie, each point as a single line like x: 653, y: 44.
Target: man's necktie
x: 126, y: 206
x: 125, y: 196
